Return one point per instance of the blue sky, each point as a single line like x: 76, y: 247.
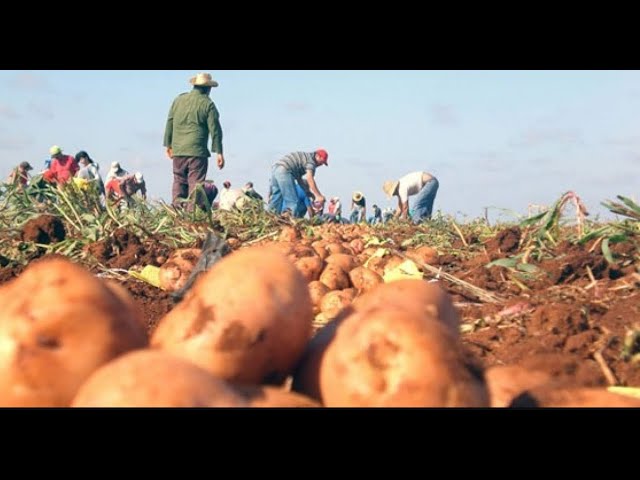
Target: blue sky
x: 493, y: 138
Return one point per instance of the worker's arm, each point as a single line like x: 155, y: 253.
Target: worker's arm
x: 314, y: 187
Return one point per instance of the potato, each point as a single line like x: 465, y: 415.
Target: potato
x: 301, y: 251
x: 151, y: 378
x: 364, y: 279
x: 317, y: 290
x: 336, y: 247
x: 424, y: 298
x: 344, y: 261
x: 306, y: 377
x: 125, y: 297
x: 357, y: 246
x: 423, y: 254
x: 247, y: 319
x: 176, y: 270
x: 392, y: 262
x: 573, y: 398
x: 320, y: 248
x: 273, y: 397
x: 59, y: 323
x: 335, y: 277
x: 289, y: 234
x: 310, y: 267
x: 506, y: 382
x: 333, y: 302
x: 393, y: 358
x: 377, y: 264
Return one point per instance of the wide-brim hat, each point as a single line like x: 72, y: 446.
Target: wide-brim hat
x: 357, y: 196
x: 203, y: 80
x: 389, y: 187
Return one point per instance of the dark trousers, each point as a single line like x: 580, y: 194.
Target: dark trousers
x: 187, y: 173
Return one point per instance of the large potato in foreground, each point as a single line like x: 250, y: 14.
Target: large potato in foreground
x: 273, y: 397
x: 424, y: 298
x: 506, y: 382
x: 395, y: 358
x: 58, y: 323
x: 573, y: 398
x: 175, y: 272
x: 247, y: 319
x: 306, y: 377
x: 151, y: 378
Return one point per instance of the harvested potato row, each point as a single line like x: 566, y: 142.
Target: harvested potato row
x: 246, y: 320
x: 396, y: 358
x: 152, y: 378
x: 175, y: 272
x: 59, y: 323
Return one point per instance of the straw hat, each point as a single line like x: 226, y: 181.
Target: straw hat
x: 389, y: 187
x: 357, y: 196
x: 203, y: 80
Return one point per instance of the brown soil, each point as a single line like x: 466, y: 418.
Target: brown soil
x: 124, y: 250
x: 45, y: 229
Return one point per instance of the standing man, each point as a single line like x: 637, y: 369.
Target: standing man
x: 291, y: 169
x: 421, y: 184
x: 193, y: 117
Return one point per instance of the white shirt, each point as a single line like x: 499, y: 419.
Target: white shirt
x: 409, y: 185
x: 230, y: 198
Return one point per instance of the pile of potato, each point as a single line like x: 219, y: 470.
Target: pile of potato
x: 243, y: 336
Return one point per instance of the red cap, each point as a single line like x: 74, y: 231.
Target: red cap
x: 324, y: 156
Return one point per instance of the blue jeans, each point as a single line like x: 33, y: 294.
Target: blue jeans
x: 423, y: 204
x: 357, y: 215
x: 283, y: 191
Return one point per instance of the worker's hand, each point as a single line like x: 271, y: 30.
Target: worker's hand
x: 170, y: 153
x: 220, y: 161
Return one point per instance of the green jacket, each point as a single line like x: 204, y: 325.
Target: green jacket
x: 193, y: 116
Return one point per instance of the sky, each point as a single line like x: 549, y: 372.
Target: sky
x: 502, y: 139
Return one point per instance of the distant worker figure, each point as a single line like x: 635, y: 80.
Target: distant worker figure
x: 231, y: 198
x: 19, y: 176
x: 193, y: 117
x: 421, y: 184
x: 211, y: 191
x: 358, y: 208
x: 250, y: 192
x: 290, y: 169
x: 89, y: 171
x: 377, y: 215
x: 124, y: 188
x: 116, y: 171
x: 63, y: 167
